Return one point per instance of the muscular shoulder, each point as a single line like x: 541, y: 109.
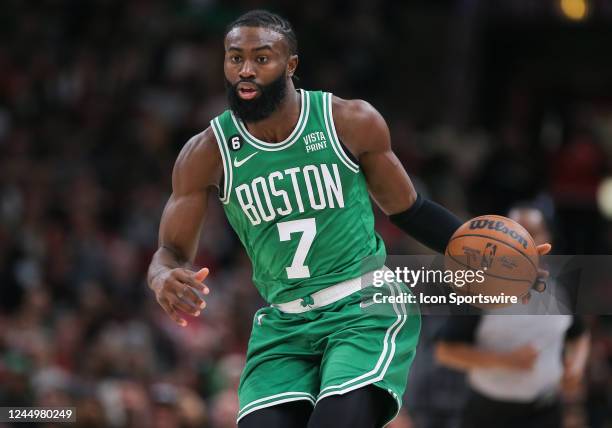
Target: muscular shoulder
x: 360, y: 127
x: 199, y: 165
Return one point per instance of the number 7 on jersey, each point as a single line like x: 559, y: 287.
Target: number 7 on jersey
x: 308, y: 227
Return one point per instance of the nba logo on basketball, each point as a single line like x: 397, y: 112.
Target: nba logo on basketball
x: 487, y: 255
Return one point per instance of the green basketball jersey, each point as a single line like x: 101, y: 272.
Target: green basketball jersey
x: 300, y: 207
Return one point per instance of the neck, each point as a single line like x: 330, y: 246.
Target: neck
x: 281, y: 123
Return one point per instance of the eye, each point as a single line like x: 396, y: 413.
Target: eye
x: 235, y: 59
x: 262, y: 59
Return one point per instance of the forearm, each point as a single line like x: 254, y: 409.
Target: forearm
x: 428, y: 222
x: 465, y: 357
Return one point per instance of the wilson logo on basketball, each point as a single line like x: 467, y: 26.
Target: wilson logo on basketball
x: 500, y: 227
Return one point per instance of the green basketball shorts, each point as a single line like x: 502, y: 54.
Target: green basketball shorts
x: 330, y: 350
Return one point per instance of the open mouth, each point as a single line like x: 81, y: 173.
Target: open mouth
x: 247, y: 92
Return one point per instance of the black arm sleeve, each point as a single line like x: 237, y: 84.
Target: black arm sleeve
x: 427, y: 222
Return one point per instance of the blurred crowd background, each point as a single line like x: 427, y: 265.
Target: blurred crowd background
x: 489, y: 103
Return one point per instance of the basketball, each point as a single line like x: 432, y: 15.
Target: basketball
x: 502, y: 250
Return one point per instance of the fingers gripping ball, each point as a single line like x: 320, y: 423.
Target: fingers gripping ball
x: 501, y: 249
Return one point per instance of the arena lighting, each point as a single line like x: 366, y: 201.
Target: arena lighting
x: 576, y: 10
x: 604, y: 197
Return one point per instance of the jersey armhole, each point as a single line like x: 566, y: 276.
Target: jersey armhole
x: 221, y: 186
x: 343, y: 154
x: 226, y: 189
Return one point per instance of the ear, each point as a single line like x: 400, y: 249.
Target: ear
x: 292, y: 65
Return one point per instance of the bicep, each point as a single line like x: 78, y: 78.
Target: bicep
x: 388, y: 182
x: 363, y: 129
x: 197, y: 171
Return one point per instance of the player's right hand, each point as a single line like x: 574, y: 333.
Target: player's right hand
x: 175, y: 292
x: 522, y: 358
x: 543, y: 274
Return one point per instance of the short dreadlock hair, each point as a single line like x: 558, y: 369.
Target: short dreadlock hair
x: 264, y: 19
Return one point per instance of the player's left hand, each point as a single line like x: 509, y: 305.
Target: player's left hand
x: 540, y: 283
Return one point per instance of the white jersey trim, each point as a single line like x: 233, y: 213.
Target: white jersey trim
x: 281, y: 398
x: 227, y: 163
x: 287, y: 142
x: 331, y: 131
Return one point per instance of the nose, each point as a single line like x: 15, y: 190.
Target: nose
x: 247, y: 71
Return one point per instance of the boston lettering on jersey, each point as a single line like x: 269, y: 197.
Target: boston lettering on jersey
x: 263, y: 200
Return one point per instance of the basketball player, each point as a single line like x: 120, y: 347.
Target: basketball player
x: 294, y: 170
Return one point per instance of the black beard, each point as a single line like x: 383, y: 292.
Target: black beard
x: 261, y: 107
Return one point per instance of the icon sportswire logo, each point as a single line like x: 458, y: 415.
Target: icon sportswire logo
x: 238, y: 164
